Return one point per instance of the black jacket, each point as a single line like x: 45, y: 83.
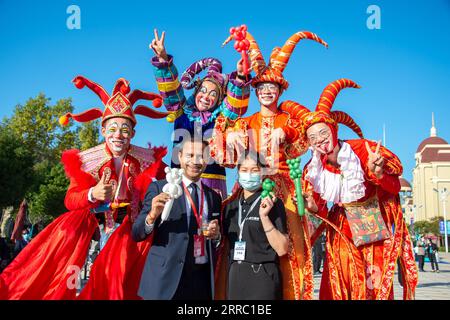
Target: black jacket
x: 164, y: 265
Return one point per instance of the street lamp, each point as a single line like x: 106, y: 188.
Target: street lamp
x: 443, y: 193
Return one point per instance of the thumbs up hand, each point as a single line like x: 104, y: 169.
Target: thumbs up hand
x: 103, y: 190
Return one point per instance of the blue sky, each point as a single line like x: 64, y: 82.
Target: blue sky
x: 403, y: 68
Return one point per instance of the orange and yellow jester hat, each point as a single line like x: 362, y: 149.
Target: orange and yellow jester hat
x: 120, y: 104
x: 323, y: 111
x: 273, y: 72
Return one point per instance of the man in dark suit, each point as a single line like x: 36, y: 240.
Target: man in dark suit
x: 180, y: 263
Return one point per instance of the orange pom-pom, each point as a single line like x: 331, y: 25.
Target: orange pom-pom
x: 157, y: 103
x: 64, y: 120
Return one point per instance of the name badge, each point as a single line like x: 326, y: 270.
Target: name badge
x: 199, y: 246
x: 239, y: 251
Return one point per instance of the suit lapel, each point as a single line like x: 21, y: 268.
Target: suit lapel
x: 209, y: 201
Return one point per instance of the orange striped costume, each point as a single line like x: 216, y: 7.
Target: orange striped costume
x: 366, y: 271
x: 296, y: 267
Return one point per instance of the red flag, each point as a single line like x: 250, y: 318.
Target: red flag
x: 20, y: 221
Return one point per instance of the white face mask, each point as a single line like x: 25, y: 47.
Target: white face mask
x: 250, y: 181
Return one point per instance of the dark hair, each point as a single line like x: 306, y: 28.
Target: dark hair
x: 185, y: 140
x: 253, y: 155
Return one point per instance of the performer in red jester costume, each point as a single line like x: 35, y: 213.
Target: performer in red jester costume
x: 275, y: 134
x: 109, y: 179
x: 366, y: 232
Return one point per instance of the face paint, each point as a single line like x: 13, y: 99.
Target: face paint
x: 322, y: 137
x: 267, y: 93
x: 118, y: 133
x: 207, y: 95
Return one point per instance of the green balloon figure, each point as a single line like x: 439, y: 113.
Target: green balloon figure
x: 296, y: 175
x: 267, y: 186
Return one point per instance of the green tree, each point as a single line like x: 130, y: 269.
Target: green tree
x: 421, y: 227
x: 425, y: 226
x: 36, y: 128
x: 36, y: 122
x: 16, y: 162
x: 434, y: 225
x: 88, y: 135
x: 48, y: 201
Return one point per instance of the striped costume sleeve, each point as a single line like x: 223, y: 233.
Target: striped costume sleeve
x: 169, y: 87
x: 235, y: 103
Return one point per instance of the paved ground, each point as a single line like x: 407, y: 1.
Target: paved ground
x: 431, y: 286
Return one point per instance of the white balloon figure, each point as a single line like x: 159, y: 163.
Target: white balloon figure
x: 172, y: 188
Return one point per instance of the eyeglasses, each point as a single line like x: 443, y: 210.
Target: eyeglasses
x: 324, y: 133
x: 267, y: 86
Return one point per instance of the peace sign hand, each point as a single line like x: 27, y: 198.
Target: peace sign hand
x: 375, y: 161
x: 157, y: 45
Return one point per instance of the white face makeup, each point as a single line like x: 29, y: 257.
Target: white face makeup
x: 320, y: 138
x: 206, y: 96
x: 118, y: 133
x: 267, y: 93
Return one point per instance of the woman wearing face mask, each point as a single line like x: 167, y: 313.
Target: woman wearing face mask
x: 256, y: 230
x: 216, y: 94
x: 360, y: 178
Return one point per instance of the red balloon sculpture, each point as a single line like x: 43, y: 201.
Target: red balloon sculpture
x: 241, y: 44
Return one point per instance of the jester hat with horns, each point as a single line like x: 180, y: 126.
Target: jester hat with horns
x: 214, y: 74
x: 120, y: 104
x: 323, y: 113
x: 273, y: 72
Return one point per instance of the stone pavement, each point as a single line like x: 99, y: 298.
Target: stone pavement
x: 431, y: 286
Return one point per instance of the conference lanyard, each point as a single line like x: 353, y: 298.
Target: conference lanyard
x: 242, y: 222
x: 198, y: 216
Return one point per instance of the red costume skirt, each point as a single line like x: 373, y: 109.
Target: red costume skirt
x: 49, y: 266
x: 117, y: 270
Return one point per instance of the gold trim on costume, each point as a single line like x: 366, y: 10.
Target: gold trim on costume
x: 168, y: 86
x: 174, y: 115
x: 213, y: 176
x: 361, y: 204
x: 237, y: 103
